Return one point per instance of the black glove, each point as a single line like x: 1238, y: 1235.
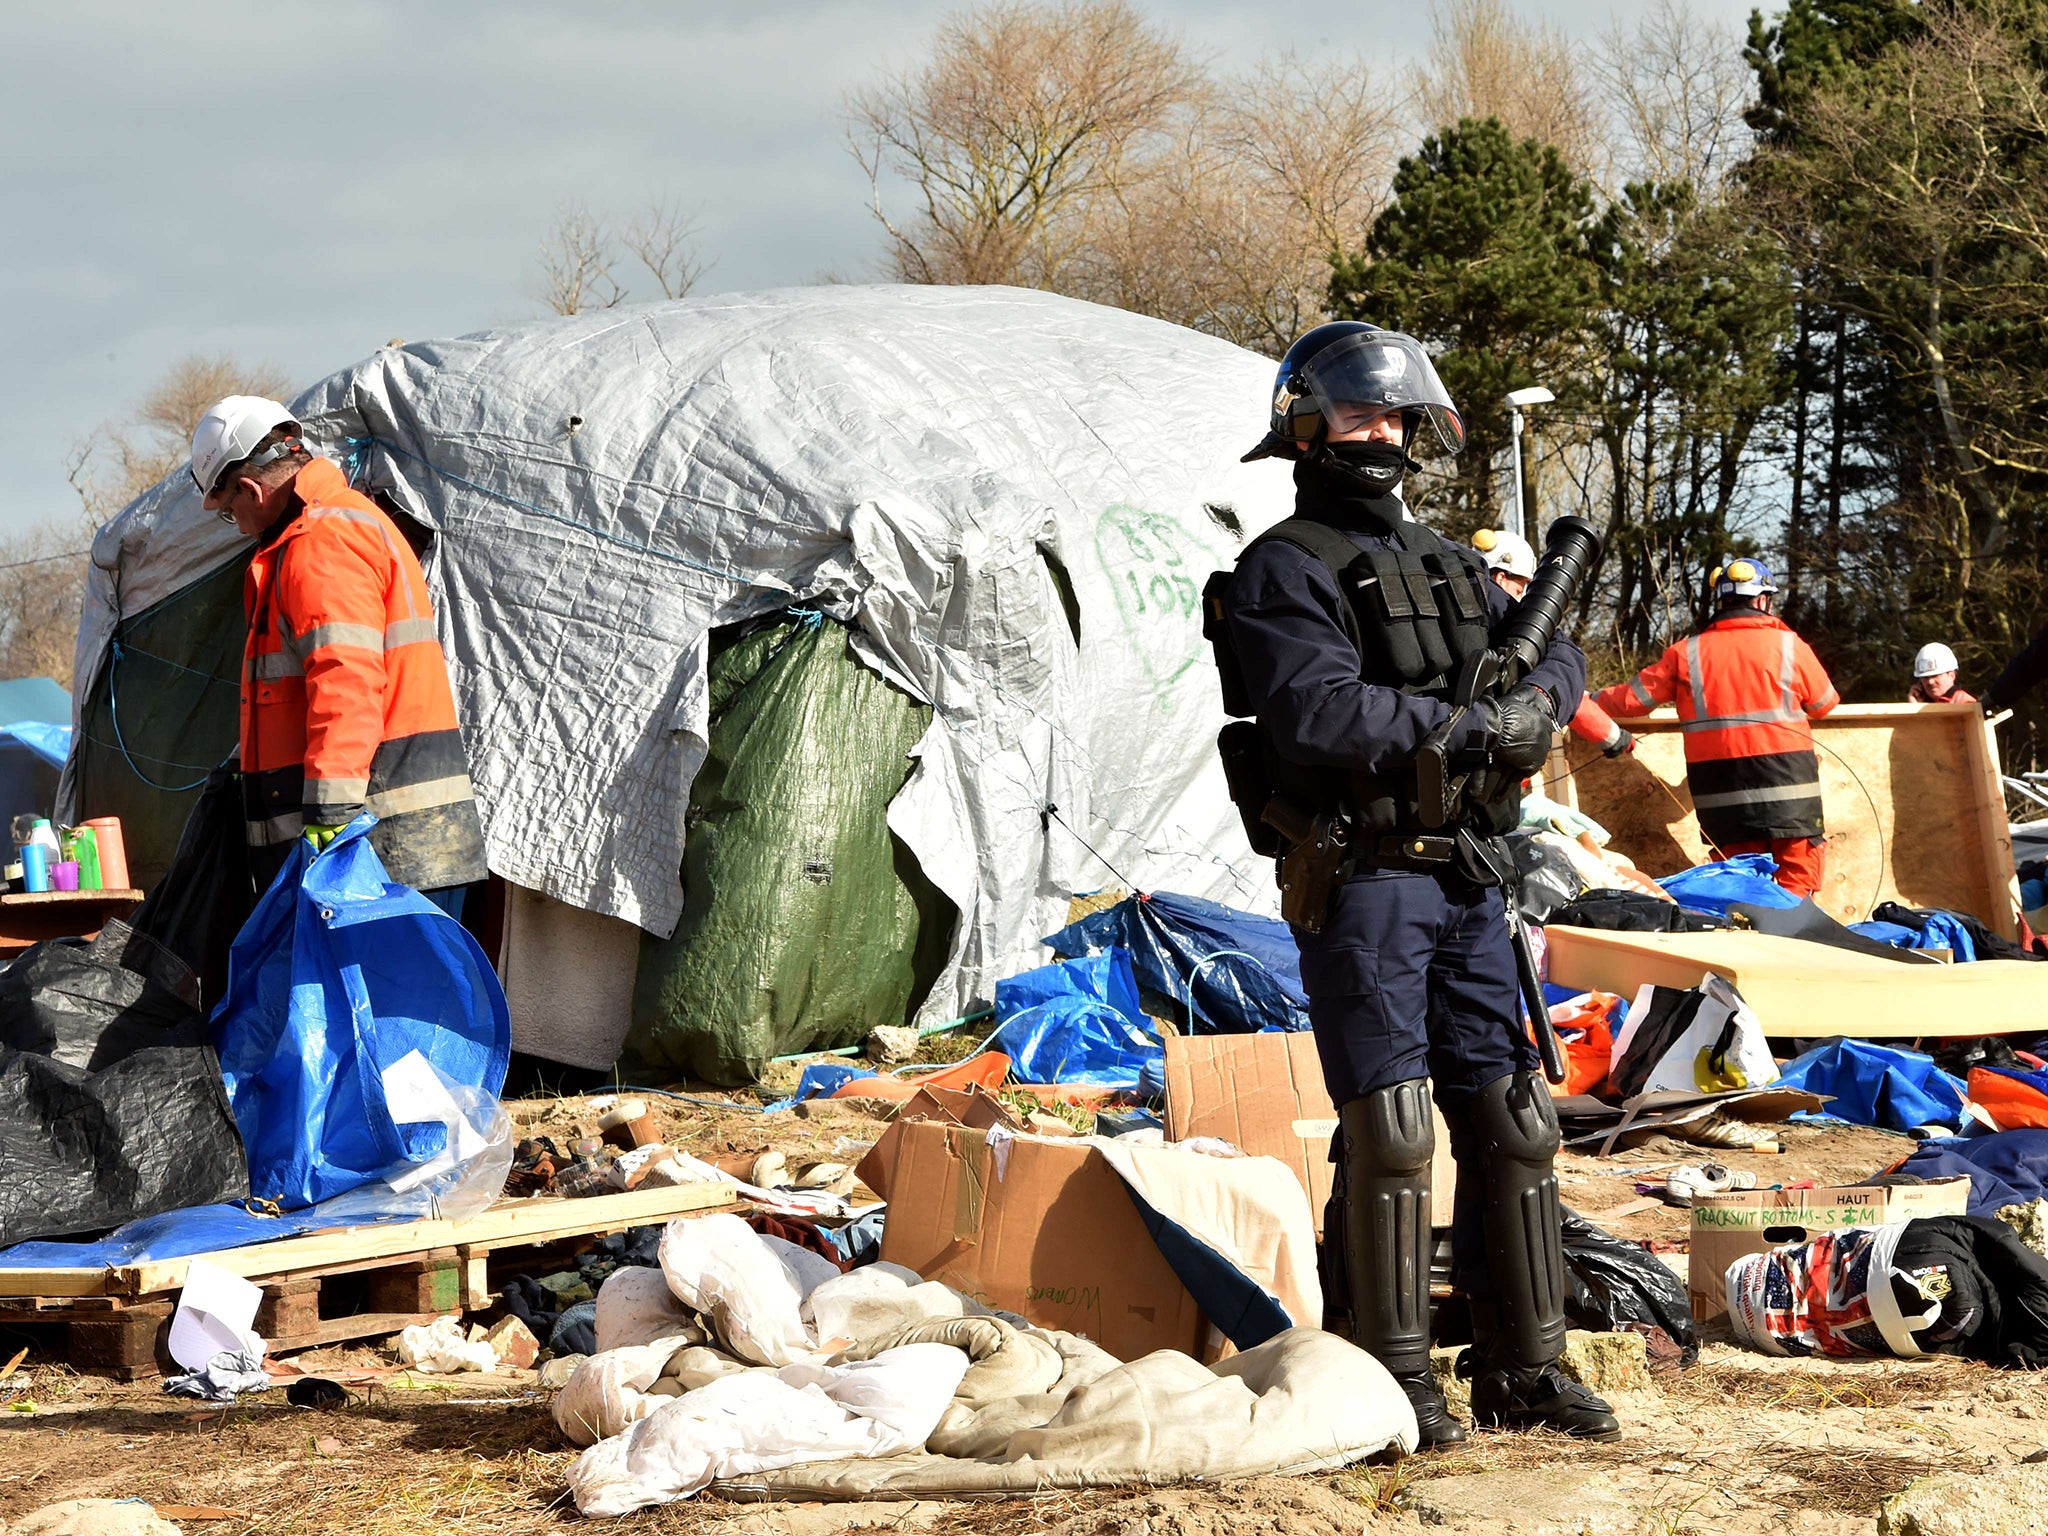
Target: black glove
x: 1524, y: 723
x: 1623, y: 742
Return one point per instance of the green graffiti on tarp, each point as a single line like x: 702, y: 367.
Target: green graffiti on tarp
x: 1156, y: 569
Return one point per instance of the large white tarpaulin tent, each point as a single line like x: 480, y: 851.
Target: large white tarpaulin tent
x: 929, y: 464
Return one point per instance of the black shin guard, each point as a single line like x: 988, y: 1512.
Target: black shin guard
x: 1512, y: 1119
x: 1388, y: 1138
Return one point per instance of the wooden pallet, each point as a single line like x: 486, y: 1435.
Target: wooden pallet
x: 328, y: 1287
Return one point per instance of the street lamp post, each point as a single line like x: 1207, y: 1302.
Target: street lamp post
x: 1535, y: 394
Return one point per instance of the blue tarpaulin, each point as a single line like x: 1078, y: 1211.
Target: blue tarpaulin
x: 819, y: 1080
x: 196, y: 1229
x: 1880, y: 1085
x: 1076, y: 1021
x: 1943, y: 930
x: 339, y: 976
x: 1243, y: 971
x: 2007, y: 1168
x: 1716, y: 887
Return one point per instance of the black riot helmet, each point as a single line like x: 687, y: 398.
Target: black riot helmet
x: 1347, y: 367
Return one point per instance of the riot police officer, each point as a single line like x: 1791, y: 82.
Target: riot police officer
x: 1342, y: 631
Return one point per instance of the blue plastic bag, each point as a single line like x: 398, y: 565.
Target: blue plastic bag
x: 1880, y: 1085
x: 1716, y: 887
x: 1076, y: 1021
x: 337, y: 977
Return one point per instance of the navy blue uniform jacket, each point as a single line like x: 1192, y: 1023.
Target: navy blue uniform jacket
x: 1303, y: 674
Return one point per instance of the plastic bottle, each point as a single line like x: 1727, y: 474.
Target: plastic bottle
x: 83, y: 844
x: 38, y: 854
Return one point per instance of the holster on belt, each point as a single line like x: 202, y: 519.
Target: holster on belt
x: 1318, y: 860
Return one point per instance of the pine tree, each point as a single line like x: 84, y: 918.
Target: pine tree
x: 1483, y: 256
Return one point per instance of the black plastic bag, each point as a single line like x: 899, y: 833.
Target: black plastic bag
x: 206, y: 895
x: 1611, y: 1285
x: 1548, y: 880
x: 111, y: 1100
x: 1632, y: 912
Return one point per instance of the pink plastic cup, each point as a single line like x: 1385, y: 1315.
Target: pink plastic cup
x: 64, y: 875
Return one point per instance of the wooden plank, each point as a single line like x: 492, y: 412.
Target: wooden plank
x: 1914, y: 808
x: 506, y: 1224
x: 30, y: 900
x: 1799, y: 988
x: 1994, y: 829
x: 363, y: 1325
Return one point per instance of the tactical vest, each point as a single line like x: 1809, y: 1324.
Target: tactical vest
x: 1413, y: 613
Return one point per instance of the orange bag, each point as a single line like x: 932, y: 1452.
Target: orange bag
x: 1588, y: 1040
x: 2011, y: 1103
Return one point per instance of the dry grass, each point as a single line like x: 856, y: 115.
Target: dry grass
x: 1819, y: 1388
x: 1844, y: 1480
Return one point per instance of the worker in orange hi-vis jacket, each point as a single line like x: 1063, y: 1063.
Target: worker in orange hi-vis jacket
x: 1747, y: 689
x: 1512, y: 565
x: 346, y: 702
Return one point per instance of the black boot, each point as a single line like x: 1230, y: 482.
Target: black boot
x: 1519, y: 1333
x: 1434, y: 1426
x: 1388, y: 1137
x: 1544, y: 1399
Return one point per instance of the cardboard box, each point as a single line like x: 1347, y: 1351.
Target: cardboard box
x: 1043, y: 1228
x: 1264, y: 1094
x: 975, y: 1108
x: 1745, y: 1221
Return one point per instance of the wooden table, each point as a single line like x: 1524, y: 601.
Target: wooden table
x: 32, y: 916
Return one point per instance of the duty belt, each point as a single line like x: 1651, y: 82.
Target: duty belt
x: 1424, y: 851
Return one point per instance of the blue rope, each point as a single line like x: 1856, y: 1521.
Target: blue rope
x: 356, y: 460
x: 120, y: 741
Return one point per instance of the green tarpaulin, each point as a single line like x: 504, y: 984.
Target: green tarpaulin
x: 805, y: 922
x: 161, y: 714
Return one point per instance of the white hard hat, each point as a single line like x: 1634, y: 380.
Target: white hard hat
x: 1934, y: 657
x: 1505, y: 551
x: 229, y: 432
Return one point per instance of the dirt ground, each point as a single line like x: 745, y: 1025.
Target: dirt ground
x: 1740, y: 1443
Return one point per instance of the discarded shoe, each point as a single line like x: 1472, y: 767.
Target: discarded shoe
x: 1434, y: 1426
x: 1549, y: 1400
x: 1715, y: 1129
x: 1689, y: 1180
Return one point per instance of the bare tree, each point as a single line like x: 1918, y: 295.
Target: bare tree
x: 124, y: 457
x: 42, y: 571
x: 42, y: 593
x: 576, y: 262
x: 1233, y: 229
x: 664, y: 240
x: 1675, y: 88
x: 1024, y: 127
x: 1485, y: 62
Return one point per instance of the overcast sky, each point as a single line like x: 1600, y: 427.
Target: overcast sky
x: 297, y: 184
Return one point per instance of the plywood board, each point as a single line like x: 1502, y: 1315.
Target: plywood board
x: 1911, y: 792
x: 504, y: 1225
x: 1799, y: 988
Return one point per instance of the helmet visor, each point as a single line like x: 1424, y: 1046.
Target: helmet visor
x: 1375, y: 372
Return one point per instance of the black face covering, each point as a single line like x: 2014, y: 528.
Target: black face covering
x: 1374, y: 468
